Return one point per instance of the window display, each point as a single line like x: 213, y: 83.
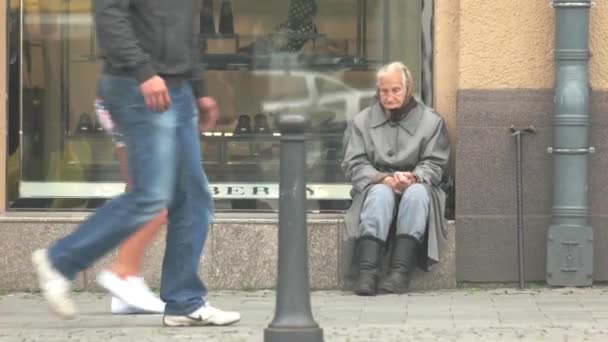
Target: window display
x: 261, y: 58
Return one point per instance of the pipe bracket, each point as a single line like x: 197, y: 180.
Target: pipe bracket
x: 589, y: 150
x: 572, y: 4
x: 528, y: 130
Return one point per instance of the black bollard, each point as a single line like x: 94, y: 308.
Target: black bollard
x: 293, y: 319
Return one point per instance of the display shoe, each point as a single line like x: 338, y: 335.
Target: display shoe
x: 98, y: 128
x: 243, y: 125
x: 207, y: 25
x: 85, y: 125
x: 260, y: 124
x: 226, y: 18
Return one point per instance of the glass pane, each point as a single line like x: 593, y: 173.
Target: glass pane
x: 262, y: 58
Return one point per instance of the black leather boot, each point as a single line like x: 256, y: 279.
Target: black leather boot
x: 85, y: 125
x: 207, y: 26
x: 403, y: 264
x: 368, y: 250
x: 226, y: 18
x: 243, y: 125
x: 260, y: 124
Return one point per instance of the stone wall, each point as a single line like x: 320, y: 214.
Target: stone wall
x: 240, y: 253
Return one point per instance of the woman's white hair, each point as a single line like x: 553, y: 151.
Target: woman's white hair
x: 406, y: 76
x: 391, y: 67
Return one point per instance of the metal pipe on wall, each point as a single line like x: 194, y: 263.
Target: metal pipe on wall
x: 518, y: 133
x: 570, y: 238
x: 4, y: 8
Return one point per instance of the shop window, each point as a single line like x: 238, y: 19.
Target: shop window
x: 262, y: 58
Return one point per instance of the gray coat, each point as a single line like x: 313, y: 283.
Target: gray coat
x: 375, y: 146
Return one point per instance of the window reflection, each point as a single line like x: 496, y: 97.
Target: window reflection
x: 313, y: 57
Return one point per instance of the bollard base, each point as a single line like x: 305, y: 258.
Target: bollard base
x: 293, y: 335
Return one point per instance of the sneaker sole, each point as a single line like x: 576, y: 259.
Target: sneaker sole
x: 180, y: 321
x: 133, y: 311
x: 126, y: 309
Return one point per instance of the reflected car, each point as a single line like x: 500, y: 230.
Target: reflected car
x: 324, y: 97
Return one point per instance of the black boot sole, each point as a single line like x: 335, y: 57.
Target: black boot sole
x: 367, y: 288
x: 392, y: 288
x: 365, y: 293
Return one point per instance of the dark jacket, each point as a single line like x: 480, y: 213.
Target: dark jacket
x: 143, y: 38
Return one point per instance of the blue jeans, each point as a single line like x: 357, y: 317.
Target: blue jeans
x: 379, y: 210
x: 165, y: 166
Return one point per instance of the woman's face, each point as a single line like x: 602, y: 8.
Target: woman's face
x: 391, y: 91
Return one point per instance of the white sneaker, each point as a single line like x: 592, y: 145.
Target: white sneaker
x: 54, y: 286
x: 119, y: 307
x: 205, y: 315
x: 133, y: 292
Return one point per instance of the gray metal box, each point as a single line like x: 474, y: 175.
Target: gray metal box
x: 570, y: 255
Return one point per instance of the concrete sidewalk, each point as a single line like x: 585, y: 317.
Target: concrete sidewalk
x: 458, y: 315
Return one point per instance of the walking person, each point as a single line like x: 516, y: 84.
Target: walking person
x: 151, y: 85
x: 127, y: 264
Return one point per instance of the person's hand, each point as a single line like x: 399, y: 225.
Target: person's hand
x: 208, y: 113
x: 392, y: 182
x: 404, y: 180
x: 156, y: 94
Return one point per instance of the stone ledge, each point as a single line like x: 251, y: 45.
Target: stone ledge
x: 240, y: 253
x: 79, y: 216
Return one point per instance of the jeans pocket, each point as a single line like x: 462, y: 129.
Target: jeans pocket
x: 121, y: 95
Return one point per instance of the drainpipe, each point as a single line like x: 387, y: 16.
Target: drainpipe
x: 570, y: 238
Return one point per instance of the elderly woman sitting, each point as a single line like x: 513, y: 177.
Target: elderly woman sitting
x: 395, y: 157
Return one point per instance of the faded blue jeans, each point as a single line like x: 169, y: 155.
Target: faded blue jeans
x: 379, y: 210
x: 165, y: 166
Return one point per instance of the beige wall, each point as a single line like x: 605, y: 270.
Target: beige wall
x: 445, y: 65
x: 509, y: 44
x: 506, y: 44
x: 3, y: 104
x: 598, y: 70
x: 445, y: 62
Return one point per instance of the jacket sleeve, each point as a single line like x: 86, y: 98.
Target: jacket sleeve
x: 197, y: 73
x: 356, y: 166
x: 199, y: 86
x: 117, y: 39
x: 434, y: 157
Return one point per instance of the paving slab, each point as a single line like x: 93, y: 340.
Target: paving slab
x: 487, y: 315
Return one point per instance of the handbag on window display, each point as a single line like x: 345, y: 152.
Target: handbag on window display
x: 291, y: 35
x: 300, y: 24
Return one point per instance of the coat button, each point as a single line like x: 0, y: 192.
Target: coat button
x: 391, y: 153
